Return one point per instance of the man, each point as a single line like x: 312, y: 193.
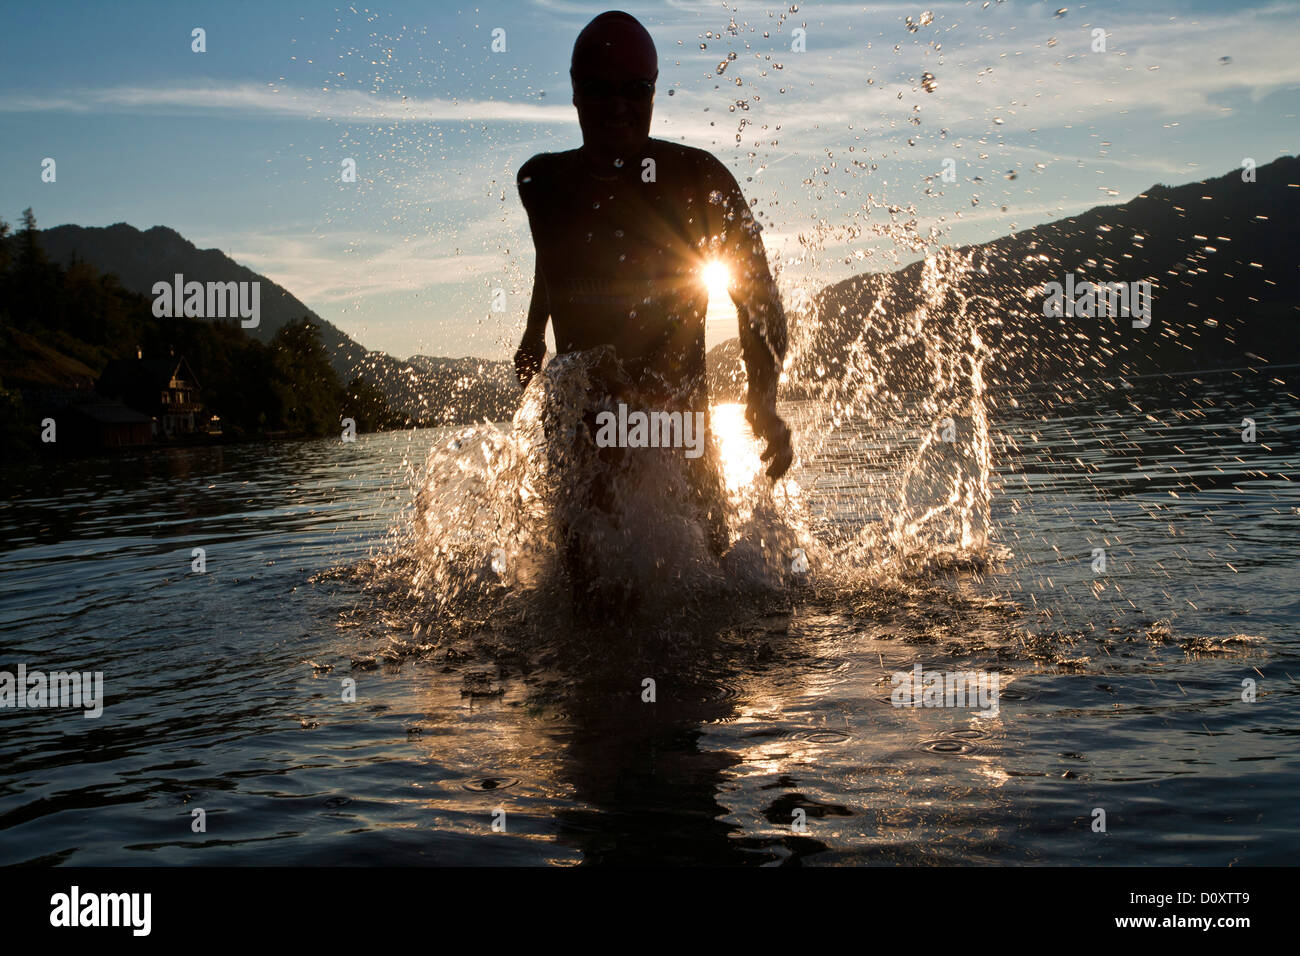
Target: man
x: 623, y: 227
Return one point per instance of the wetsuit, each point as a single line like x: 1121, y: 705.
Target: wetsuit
x: 619, y: 256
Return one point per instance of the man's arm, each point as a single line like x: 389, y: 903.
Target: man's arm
x: 532, y: 348
x: 763, y: 346
x: 763, y: 337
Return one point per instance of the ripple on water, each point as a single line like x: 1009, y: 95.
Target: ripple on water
x: 971, y: 733
x: 720, y: 691
x: 955, y: 743
x: 829, y: 664
x: 490, y: 784
x: 822, y: 736
x: 948, y: 746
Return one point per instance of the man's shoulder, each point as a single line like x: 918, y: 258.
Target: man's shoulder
x: 709, y: 171
x: 702, y: 158
x: 545, y: 165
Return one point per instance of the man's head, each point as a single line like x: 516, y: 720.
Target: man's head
x: 613, y: 71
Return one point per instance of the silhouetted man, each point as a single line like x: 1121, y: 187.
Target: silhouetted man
x: 623, y: 227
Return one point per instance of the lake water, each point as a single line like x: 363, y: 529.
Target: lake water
x: 772, y: 738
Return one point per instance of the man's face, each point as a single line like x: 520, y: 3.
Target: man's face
x: 613, y: 89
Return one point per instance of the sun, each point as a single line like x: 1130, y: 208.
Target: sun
x: 717, y: 279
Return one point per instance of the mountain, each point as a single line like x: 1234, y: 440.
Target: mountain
x: 428, y: 390
x: 139, y: 259
x: 1220, y: 254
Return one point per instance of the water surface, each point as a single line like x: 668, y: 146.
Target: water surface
x: 1121, y: 690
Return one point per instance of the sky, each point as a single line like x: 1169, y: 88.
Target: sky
x: 839, y: 146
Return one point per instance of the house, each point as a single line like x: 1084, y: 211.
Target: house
x: 164, y: 389
x: 102, y: 425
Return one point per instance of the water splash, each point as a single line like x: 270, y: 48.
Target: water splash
x: 513, y: 522
x: 912, y: 372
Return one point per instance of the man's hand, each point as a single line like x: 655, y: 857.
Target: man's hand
x: 527, y: 364
x: 767, y: 425
x: 532, y: 347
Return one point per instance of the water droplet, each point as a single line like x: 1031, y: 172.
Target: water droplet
x: 928, y: 82
x: 498, y: 561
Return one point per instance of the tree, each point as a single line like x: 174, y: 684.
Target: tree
x: 30, y: 253
x: 367, y: 406
x: 310, y: 394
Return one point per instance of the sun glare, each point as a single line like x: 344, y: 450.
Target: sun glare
x: 717, y: 279
x: 737, y: 451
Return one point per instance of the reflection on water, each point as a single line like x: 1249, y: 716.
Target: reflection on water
x: 771, y: 737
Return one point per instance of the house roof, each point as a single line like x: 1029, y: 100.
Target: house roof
x: 111, y: 413
x: 125, y: 374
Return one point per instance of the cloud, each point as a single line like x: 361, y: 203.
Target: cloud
x: 348, y: 106
x: 1156, y: 66
x: 325, y: 269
